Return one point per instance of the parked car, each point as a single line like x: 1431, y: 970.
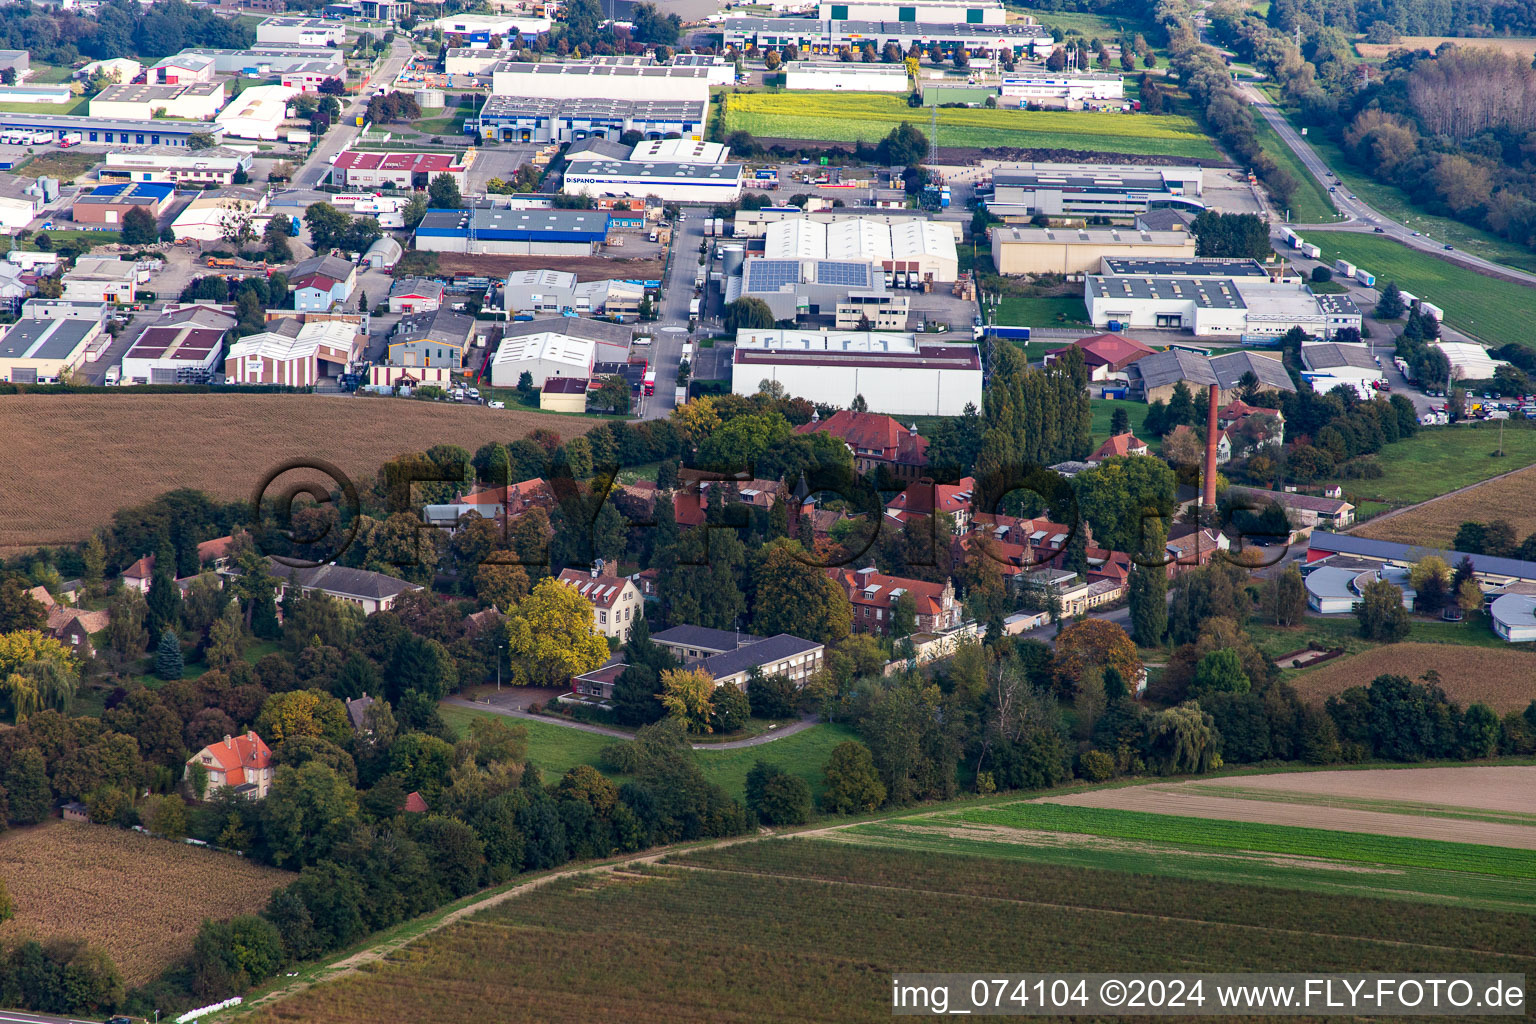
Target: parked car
x: 496, y: 404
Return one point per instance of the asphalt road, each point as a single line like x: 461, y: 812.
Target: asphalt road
x: 1361, y: 216
x: 344, y: 134
x: 22, y: 1017
x: 670, y: 331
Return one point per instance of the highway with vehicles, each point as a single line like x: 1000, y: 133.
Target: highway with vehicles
x: 1360, y: 215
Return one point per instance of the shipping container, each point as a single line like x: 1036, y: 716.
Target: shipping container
x: 1432, y: 309
x: 1291, y: 238
x: 1344, y: 267
x: 1366, y: 278
x: 1012, y: 333
x: 1311, y: 251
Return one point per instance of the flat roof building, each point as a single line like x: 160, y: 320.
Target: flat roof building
x: 534, y: 119
x: 513, y: 232
x: 272, y: 60
x: 258, y: 112
x: 108, y: 204
x: 825, y: 36
x: 199, y: 167
x: 794, y: 288
x: 115, y: 132
x: 913, y: 246
x: 1213, y: 306
x: 895, y: 373
x: 587, y: 80
x: 922, y: 12
x: 295, y: 31
x: 401, y: 170
x: 668, y: 182
x: 44, y: 351
x: 1092, y: 190
x: 1032, y: 250
x: 182, y: 347
x: 841, y: 76
x: 195, y: 101
x: 1067, y: 89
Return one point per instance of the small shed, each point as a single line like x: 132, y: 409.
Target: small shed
x: 75, y: 811
x: 384, y: 254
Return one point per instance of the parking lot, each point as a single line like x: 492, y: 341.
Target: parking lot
x: 496, y: 162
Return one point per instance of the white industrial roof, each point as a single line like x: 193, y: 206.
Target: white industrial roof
x: 1469, y: 361
x: 555, y: 347
x: 858, y: 238
x: 336, y: 334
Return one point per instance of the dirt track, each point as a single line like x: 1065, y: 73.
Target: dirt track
x: 1507, y: 789
x: 586, y: 268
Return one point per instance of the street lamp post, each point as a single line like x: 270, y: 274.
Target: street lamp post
x: 499, y: 648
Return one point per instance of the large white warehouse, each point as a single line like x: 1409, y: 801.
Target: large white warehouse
x: 1061, y: 87
x: 896, y: 373
x: 844, y: 77
x: 668, y: 181
x: 913, y: 246
x: 1215, y: 306
x: 920, y: 12
x: 600, y: 81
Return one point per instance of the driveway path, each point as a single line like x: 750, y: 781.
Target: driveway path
x: 602, y: 730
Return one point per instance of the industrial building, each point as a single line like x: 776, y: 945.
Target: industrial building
x: 258, y: 112
x: 551, y: 292
x: 108, y: 131
x: 425, y: 348
x: 204, y: 218
x: 1031, y: 250
x: 796, y: 288
x: 911, y: 247
x: 1072, y: 90
x: 184, y: 346
x: 195, y: 101
x: 513, y: 232
x: 1091, y: 190
x: 102, y: 279
x: 721, y: 72
x: 896, y: 373
x: 519, y: 119
x: 399, y: 170
x: 922, y: 12
x: 294, y: 31
x: 1230, y: 267
x: 108, y: 204
x: 682, y: 151
x: 265, y: 61
x: 462, y: 60
x: 308, y: 76
x: 668, y: 182
x: 181, y: 69
x: 1328, y: 365
x: 810, y: 35
x: 755, y: 223
x: 200, y: 167
x: 840, y: 76
x: 1469, y: 361
x: 19, y: 203
x: 589, y: 80
x: 478, y: 30
x: 1211, y: 306
x: 557, y: 347
x: 294, y: 354
x: 45, y: 351
x: 1154, y: 377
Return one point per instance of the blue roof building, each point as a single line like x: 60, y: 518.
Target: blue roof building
x: 513, y: 232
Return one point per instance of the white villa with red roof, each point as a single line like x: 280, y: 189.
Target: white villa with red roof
x: 242, y: 762
x: 617, y: 603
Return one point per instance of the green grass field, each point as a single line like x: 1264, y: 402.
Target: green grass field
x: 1310, y: 204
x: 77, y: 106
x: 1496, y: 312
x: 1435, y: 462
x: 556, y: 749
x: 88, y: 239
x: 1344, y: 631
x: 1356, y: 847
x: 840, y: 117
x: 64, y: 164
x: 1104, y: 410
x: 1042, y: 311
x: 1105, y: 27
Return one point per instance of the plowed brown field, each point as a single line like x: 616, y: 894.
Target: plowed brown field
x: 72, y: 460
x: 1434, y: 522
x: 1505, y: 680
x: 138, y: 898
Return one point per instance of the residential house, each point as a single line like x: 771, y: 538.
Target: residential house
x: 1105, y: 355
x: 1308, y: 511
x: 425, y: 348
x: 874, y: 596
x: 1118, y: 446
x: 137, y: 575
x: 357, y: 712
x: 415, y: 295
x: 242, y: 763
x: 596, y: 686
x: 690, y: 644
x: 415, y: 803
x: 1184, y: 430
x: 495, y: 503
x: 924, y: 498
x: 1251, y: 427
x: 875, y: 440
x: 616, y: 602
x: 322, y: 281
x: 370, y: 591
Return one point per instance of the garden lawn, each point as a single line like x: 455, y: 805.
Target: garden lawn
x: 64, y: 164
x: 1344, y: 631
x: 1104, y: 410
x: 78, y: 106
x: 556, y: 749
x: 1043, y: 311
x: 1443, y: 459
x: 840, y: 117
x: 1494, y: 311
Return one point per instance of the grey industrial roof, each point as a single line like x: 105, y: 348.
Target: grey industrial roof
x: 1122, y: 266
x: 1338, y: 304
x: 1165, y: 219
x: 629, y: 169
x: 67, y: 334
x: 600, y: 331
x: 1325, y: 354
x: 1346, y: 544
x: 1332, y: 582
x: 593, y: 107
x: 703, y: 638
x: 1149, y: 180
x: 1229, y: 368
x: 1293, y: 499
x: 585, y: 221
x: 73, y: 123
x: 599, y: 148
x: 948, y: 30
x: 1206, y: 293
x: 438, y: 325
x: 1170, y: 367
x: 553, y: 69
x: 755, y: 655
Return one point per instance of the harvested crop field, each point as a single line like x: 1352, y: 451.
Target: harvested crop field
x: 108, y: 451
x: 1520, y: 47
x: 1503, y: 679
x: 1435, y: 522
x: 586, y: 268
x: 1408, y: 820
x: 1490, y: 788
x: 138, y: 898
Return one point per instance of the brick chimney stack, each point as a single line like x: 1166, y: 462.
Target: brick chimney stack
x: 1208, y: 485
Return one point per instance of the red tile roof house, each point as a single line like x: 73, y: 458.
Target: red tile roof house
x: 1017, y: 545
x: 689, y: 501
x: 873, y: 596
x: 617, y: 603
x: 1223, y: 442
x: 925, y: 497
x: 1119, y: 445
x: 875, y: 440
x: 494, y: 503
x: 137, y: 575
x: 1105, y: 355
x: 243, y: 763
